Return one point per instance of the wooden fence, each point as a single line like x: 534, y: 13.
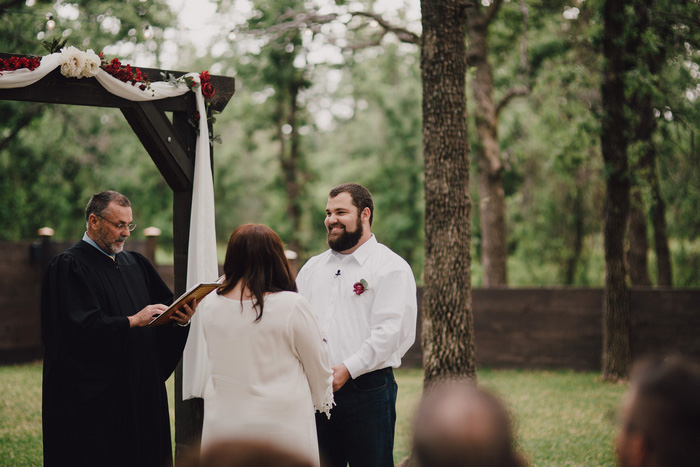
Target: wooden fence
x: 547, y: 328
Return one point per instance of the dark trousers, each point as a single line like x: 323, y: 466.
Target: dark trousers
x: 361, y: 428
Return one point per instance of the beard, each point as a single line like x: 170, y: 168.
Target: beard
x: 345, y: 240
x: 105, y: 241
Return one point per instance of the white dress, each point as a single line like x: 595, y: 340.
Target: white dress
x: 266, y: 377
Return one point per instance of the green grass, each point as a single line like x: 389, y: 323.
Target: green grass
x: 20, y: 415
x: 562, y: 418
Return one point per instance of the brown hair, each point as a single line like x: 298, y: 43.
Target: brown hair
x: 244, y: 453
x: 255, y: 256
x: 667, y: 408
x: 99, y: 202
x: 459, y: 424
x: 361, y: 197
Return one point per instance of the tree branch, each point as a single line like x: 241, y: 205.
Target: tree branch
x: 402, y: 34
x: 24, y: 120
x: 491, y: 11
x: 294, y: 20
x: 510, y: 95
x: 524, y: 74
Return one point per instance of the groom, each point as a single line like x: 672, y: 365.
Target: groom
x: 364, y: 296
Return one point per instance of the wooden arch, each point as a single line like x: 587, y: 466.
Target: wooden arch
x: 171, y: 145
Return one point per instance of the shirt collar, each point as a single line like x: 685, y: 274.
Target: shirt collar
x: 87, y: 239
x: 360, y: 255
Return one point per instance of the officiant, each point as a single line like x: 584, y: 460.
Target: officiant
x: 104, y: 396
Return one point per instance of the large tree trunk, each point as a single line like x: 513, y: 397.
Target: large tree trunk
x: 491, y: 196
x: 614, y: 140
x: 448, y: 329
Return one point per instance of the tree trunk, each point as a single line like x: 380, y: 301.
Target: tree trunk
x: 448, y: 328
x: 643, y: 108
x: 614, y: 140
x: 290, y: 159
x: 289, y: 162
x: 658, y: 218
x: 639, y: 245
x: 491, y: 196
x: 578, y: 231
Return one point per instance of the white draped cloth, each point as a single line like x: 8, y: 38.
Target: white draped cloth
x: 202, y: 260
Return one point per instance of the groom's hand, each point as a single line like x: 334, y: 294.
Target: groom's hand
x: 341, y: 375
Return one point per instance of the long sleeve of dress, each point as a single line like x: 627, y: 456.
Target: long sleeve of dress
x: 310, y: 349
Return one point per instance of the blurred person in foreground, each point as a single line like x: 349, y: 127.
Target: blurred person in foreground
x: 661, y: 414
x: 268, y: 367
x: 364, y: 295
x: 460, y: 425
x: 104, y: 397
x: 245, y: 453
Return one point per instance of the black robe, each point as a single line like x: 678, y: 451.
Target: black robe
x: 104, y: 397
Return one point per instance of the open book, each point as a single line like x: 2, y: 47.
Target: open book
x: 197, y: 291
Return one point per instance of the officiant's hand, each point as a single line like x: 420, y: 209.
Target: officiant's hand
x: 341, y: 375
x: 183, y: 315
x: 145, y: 316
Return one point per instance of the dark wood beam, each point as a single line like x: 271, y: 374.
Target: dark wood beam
x: 55, y: 88
x: 162, y: 143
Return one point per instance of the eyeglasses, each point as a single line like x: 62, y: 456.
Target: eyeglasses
x: 130, y: 226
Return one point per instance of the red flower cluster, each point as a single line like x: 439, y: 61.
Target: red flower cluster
x: 15, y: 63
x: 126, y: 73
x: 358, y: 288
x: 207, y: 87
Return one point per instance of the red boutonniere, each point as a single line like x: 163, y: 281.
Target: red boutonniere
x: 360, y: 287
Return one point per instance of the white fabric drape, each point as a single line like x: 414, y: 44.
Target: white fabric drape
x: 201, y: 260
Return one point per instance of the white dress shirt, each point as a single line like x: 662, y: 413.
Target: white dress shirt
x: 372, y: 330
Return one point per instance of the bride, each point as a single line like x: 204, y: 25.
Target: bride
x: 268, y: 364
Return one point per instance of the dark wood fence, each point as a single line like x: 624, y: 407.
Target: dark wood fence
x: 547, y: 328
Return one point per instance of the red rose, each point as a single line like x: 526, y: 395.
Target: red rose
x: 208, y: 90
x: 358, y: 288
x: 204, y: 77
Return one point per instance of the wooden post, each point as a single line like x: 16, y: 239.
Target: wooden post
x: 189, y: 414
x: 46, y: 234
x: 152, y: 234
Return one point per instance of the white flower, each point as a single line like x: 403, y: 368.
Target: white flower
x: 78, y: 64
x: 72, y: 62
x: 92, y: 64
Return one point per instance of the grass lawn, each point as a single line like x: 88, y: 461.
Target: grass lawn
x: 562, y: 418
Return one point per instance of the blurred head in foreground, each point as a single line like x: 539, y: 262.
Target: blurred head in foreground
x: 661, y: 414
x: 245, y: 453
x: 458, y: 424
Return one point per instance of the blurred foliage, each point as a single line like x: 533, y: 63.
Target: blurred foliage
x: 52, y: 157
x: 360, y: 121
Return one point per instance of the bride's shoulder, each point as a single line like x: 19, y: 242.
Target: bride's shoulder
x: 285, y: 295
